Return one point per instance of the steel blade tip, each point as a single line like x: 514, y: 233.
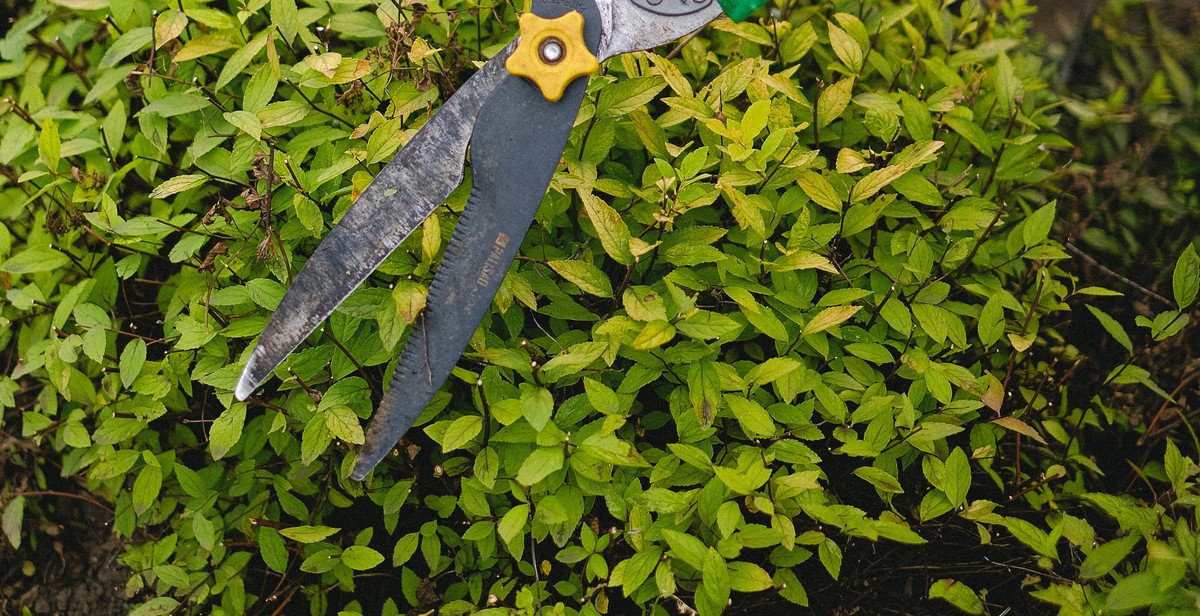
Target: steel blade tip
x: 247, y: 383
x: 368, y: 458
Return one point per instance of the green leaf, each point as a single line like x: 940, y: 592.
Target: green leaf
x: 133, y: 40
x: 833, y: 101
x: 1032, y: 536
x: 744, y: 209
x: 133, y: 358
x: 573, y: 360
x: 315, y: 439
x: 601, y: 397
x: 308, y: 534
x: 406, y: 546
x: 191, y: 482
x: 146, y: 487
x: 178, y: 184
x: 962, y: 124
x: 1138, y: 590
x: 241, y: 59
x: 610, y: 228
x: 487, y: 467
x: 259, y: 91
x: 49, y: 144
x: 712, y: 596
x: 958, y: 477
x: 704, y: 390
x: 540, y: 464
x: 246, y: 122
x: 204, y: 531
x: 361, y: 558
x: 991, y: 321
x: 34, y: 260
x: 829, y: 317
x: 271, y: 547
x: 753, y: 418
x: 343, y: 424
x: 1106, y: 556
x: 226, y: 430
x: 1008, y: 87
x: 1185, y: 281
x: 637, y: 568
x: 461, y: 431
x: 512, y: 525
x: 653, y: 335
x: 12, y: 519
x: 1112, y: 327
x: 882, y: 480
x: 906, y: 160
x: 686, y: 548
x: 613, y: 450
x: 159, y: 606
x: 748, y: 577
x: 537, y: 405
x: 831, y: 557
x: 1037, y: 227
x: 204, y: 45
x: 846, y: 48
x: 285, y: 16
x: 586, y: 276
x: 705, y: 325
x: 282, y: 113
x: 819, y: 190
x: 113, y: 125
x: 1020, y: 427
x: 957, y: 594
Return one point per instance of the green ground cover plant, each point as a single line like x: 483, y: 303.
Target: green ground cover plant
x: 794, y: 326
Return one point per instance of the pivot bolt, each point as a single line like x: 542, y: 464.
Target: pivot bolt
x: 551, y: 51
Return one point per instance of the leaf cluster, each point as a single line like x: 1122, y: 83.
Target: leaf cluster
x: 793, y: 293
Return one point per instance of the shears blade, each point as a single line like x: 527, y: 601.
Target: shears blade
x: 404, y: 193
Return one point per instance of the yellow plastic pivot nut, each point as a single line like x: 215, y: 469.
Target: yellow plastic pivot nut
x: 552, y: 53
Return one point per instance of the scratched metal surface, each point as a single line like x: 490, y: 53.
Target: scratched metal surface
x: 633, y: 25
x: 518, y: 140
x: 404, y: 193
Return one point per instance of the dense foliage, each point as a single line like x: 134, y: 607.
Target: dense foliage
x: 792, y: 311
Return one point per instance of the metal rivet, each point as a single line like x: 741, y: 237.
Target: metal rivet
x: 551, y: 51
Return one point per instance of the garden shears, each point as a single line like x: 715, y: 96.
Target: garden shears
x: 516, y: 114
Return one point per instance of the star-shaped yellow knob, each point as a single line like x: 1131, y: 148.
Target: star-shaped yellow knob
x: 552, y: 53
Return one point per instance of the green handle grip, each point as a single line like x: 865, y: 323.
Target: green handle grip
x: 739, y: 10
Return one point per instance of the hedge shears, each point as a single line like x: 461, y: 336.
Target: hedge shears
x: 516, y: 113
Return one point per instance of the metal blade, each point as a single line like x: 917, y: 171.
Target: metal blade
x: 404, y: 193
x: 518, y: 140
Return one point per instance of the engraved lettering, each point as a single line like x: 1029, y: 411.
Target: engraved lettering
x: 671, y: 8
x: 492, y: 264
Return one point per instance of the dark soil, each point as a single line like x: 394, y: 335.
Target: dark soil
x: 66, y: 566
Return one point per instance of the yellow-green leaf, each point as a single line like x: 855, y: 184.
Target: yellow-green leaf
x: 610, y: 228
x: 829, y: 317
x: 907, y: 159
x: 586, y: 276
x: 49, y: 144
x: 832, y: 101
x: 343, y: 424
x: 819, y: 190
x: 246, y: 122
x: 203, y: 45
x: 177, y: 185
x: 168, y: 26
x: 308, y: 534
x: 653, y: 335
